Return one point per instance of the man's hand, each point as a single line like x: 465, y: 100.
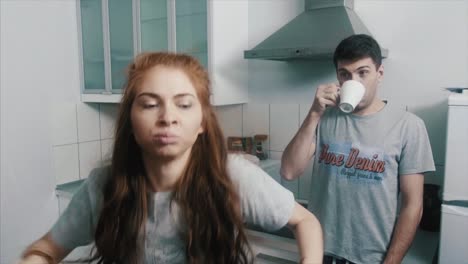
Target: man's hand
x: 326, y: 95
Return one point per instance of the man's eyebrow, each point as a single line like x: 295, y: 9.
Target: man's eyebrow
x: 363, y: 67
x: 360, y: 68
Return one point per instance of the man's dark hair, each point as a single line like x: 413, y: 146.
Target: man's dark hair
x: 358, y: 47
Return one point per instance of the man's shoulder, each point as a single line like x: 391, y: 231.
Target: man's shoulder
x: 407, y: 123
x: 409, y: 119
x: 397, y: 114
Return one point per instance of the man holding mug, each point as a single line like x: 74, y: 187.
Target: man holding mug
x: 362, y: 161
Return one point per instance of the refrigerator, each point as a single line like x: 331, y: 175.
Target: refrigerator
x: 454, y: 216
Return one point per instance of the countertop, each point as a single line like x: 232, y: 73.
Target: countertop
x: 69, y: 188
x: 282, y: 244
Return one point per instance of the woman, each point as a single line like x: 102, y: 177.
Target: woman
x: 172, y: 194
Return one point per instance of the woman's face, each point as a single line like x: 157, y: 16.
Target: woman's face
x: 166, y: 114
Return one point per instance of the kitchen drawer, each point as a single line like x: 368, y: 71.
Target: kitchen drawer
x: 270, y: 248
x: 267, y: 259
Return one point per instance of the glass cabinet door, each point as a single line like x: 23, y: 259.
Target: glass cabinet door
x: 191, y: 29
x: 121, y: 40
x: 92, y: 46
x: 154, y: 22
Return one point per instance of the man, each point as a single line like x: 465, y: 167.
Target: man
x: 362, y: 162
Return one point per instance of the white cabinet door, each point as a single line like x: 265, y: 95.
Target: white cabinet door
x: 227, y: 40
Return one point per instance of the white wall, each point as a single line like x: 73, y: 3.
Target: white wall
x: 38, y: 68
x: 428, y: 44
x: 48, y: 136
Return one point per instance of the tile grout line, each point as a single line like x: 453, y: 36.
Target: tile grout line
x: 242, y: 120
x: 76, y: 143
x: 78, y: 140
x: 269, y: 131
x: 269, y: 143
x: 100, y: 135
x: 297, y: 128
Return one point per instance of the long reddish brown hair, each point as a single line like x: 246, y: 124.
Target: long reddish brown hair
x: 207, y: 198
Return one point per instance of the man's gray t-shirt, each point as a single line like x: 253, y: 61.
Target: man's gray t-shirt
x: 264, y: 202
x: 355, y: 180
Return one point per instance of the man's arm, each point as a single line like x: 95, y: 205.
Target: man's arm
x: 408, y: 220
x: 302, y: 147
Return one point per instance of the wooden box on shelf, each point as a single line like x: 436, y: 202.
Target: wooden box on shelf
x: 240, y: 144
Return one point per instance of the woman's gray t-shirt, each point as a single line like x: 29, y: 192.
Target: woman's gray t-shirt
x: 264, y: 202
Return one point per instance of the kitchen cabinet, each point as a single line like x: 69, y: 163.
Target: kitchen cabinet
x: 227, y: 40
x: 92, y: 49
x: 152, y: 29
x: 192, y: 29
x: 111, y: 33
x: 270, y: 248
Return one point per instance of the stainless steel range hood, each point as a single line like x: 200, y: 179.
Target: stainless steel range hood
x: 314, y: 34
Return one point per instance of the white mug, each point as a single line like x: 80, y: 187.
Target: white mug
x: 351, y: 93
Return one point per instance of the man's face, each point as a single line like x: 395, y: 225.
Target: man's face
x: 364, y: 71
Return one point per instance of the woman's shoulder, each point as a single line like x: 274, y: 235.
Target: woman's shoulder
x: 237, y: 161
x: 242, y: 169
x: 97, y: 179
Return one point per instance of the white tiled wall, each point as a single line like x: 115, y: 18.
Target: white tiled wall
x: 255, y: 120
x: 89, y: 156
x: 284, y: 123
x: 82, y: 138
x: 279, y: 121
x: 64, y: 125
x: 107, y: 116
x: 66, y: 164
x: 88, y: 121
x: 230, y: 119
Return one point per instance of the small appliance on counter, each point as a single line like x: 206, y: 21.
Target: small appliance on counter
x: 259, y: 149
x: 246, y: 145
x: 461, y: 90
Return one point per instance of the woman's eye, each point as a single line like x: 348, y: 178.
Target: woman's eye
x: 185, y: 106
x: 149, y: 105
